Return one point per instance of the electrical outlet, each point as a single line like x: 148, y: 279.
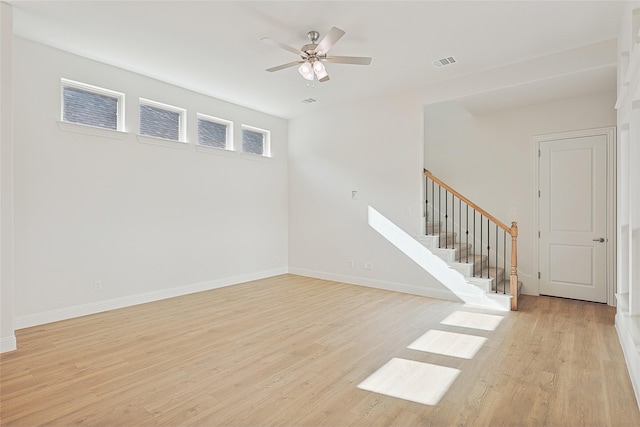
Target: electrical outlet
x: 367, y: 266
x: 97, y: 285
x: 354, y: 194
x: 350, y: 263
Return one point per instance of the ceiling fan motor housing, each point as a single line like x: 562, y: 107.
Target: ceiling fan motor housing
x: 309, y: 49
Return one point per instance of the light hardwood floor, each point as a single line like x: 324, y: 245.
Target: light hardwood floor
x: 291, y: 350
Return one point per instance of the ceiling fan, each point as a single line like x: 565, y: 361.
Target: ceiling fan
x: 314, y: 54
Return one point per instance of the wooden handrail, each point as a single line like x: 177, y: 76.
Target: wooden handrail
x: 469, y: 202
x: 513, y: 231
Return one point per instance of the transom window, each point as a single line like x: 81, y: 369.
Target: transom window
x: 92, y: 106
x: 162, y: 121
x: 255, y: 141
x: 214, y: 132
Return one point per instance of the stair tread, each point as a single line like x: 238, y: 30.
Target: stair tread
x: 493, y: 271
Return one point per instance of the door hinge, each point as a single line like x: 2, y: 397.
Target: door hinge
x: 538, y: 193
x: 538, y: 234
x: 539, y: 153
x: 538, y: 274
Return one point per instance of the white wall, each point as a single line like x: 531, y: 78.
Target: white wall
x: 374, y: 148
x: 7, y: 336
x: 489, y: 157
x: 378, y: 148
x: 147, y: 221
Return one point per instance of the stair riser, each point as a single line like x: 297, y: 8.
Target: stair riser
x: 483, y: 283
x: 447, y: 239
x: 482, y: 272
x: 453, y: 254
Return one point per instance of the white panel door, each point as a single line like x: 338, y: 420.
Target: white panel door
x: 573, y: 215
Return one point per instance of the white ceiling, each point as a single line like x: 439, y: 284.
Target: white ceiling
x: 215, y: 47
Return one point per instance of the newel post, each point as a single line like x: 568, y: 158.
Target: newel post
x: 514, y: 266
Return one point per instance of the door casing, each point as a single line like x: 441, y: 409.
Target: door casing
x: 610, y: 133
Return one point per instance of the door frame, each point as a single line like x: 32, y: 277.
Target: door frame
x: 610, y: 133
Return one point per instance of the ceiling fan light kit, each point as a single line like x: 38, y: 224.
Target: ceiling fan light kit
x: 314, y: 54
x: 306, y: 71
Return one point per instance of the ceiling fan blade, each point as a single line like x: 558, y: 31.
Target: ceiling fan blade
x: 283, y: 66
x: 283, y: 46
x: 357, y: 60
x: 329, y: 40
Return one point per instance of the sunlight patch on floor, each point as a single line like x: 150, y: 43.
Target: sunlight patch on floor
x: 410, y: 380
x: 448, y: 344
x: 464, y: 319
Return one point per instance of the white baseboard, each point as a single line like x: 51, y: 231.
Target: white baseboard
x: 378, y: 284
x: 628, y: 328
x: 35, y: 319
x: 8, y: 344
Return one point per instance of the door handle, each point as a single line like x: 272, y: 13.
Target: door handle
x: 601, y: 239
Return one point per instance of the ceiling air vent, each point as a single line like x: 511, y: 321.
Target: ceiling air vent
x: 309, y: 101
x: 444, y: 61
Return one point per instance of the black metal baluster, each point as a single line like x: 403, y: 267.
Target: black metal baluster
x: 496, y: 251
x: 459, y: 227
x: 426, y: 208
x: 467, y: 233
x: 488, y: 248
x: 504, y: 261
x: 446, y: 219
x: 439, y: 214
x: 433, y: 208
x: 481, y: 263
x: 474, y: 241
x: 453, y: 219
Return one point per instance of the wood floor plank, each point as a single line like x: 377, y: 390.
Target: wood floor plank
x: 292, y: 350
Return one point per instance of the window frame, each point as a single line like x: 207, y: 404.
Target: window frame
x: 266, y: 149
x: 120, y: 108
x: 182, y: 120
x: 229, y: 144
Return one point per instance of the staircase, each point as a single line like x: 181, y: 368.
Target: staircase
x: 471, y: 241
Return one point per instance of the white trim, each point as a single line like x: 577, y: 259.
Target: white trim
x: 610, y: 133
x: 378, y: 284
x: 215, y: 150
x: 630, y: 84
x: 255, y: 157
x: 162, y: 142
x: 91, y: 88
x: 182, y: 124
x: 628, y: 329
x: 92, y: 130
x: 41, y: 318
x: 228, y: 143
x: 120, y: 127
x: 535, y: 145
x: 8, y: 344
x: 478, y: 299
